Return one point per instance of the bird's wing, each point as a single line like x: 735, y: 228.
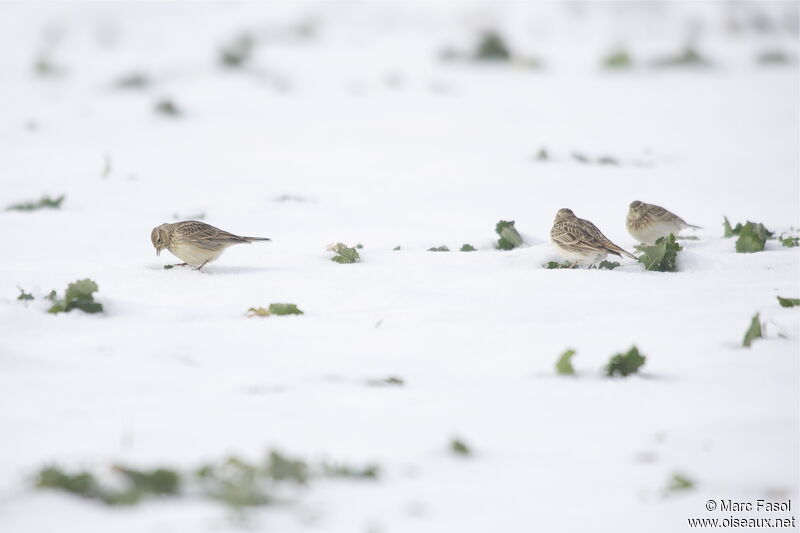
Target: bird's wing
x: 207, y: 236
x: 577, y: 237
x: 604, y: 242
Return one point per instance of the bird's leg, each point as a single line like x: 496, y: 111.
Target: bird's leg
x: 201, y: 266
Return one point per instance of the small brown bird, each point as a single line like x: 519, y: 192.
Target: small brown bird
x: 196, y: 243
x: 648, y: 222
x: 579, y: 241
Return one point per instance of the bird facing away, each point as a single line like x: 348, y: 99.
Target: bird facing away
x: 579, y: 241
x: 196, y: 243
x: 648, y: 222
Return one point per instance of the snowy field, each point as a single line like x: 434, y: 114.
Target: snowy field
x: 348, y: 123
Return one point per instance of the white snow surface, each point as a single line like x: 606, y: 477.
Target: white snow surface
x: 377, y: 141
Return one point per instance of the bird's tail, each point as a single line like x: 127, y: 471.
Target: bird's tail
x: 614, y: 249
x: 254, y: 239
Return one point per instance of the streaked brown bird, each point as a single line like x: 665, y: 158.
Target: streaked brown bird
x: 648, y: 222
x: 195, y: 243
x: 579, y: 241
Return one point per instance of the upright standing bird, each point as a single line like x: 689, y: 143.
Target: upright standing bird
x: 579, y: 241
x: 648, y: 222
x: 196, y: 243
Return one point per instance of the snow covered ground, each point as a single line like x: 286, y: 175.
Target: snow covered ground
x: 348, y: 126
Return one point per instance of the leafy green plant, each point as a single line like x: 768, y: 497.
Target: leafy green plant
x: 168, y: 108
x: 396, y: 249
x: 550, y: 265
x: 607, y: 160
x: 491, y: 47
x: 341, y: 470
x: 625, y: 364
x: 580, y: 157
x: 784, y: 302
x: 45, y: 202
x: 542, y: 154
x: 607, y: 265
x: 790, y: 242
x: 24, y: 295
x: 753, y: 332
x: 136, y: 484
x: 564, y: 364
x: 441, y: 248
x: 238, y: 52
x: 391, y: 380
x: 772, y: 57
x: 752, y: 238
x: 509, y: 236
x: 275, y: 309
x: 234, y: 482
x: 459, y: 447
x: 281, y: 468
x: 661, y: 256
x: 344, y: 254
x: 467, y: 248
x: 618, y: 60
x: 729, y: 231
x: 134, y: 80
x: 79, y: 295
x: 679, y: 482
x: 688, y: 57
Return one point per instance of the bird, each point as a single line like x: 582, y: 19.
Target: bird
x: 194, y: 242
x: 579, y: 241
x: 648, y: 222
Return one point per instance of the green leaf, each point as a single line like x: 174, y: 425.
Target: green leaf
x: 238, y: 52
x: 790, y: 242
x: 396, y: 249
x: 79, y: 295
x: 564, y: 364
x: 168, y: 108
x: 550, y: 265
x: 284, y: 309
x: 752, y: 238
x: 661, y: 256
x: 607, y: 265
x: 607, y: 160
x: 788, y: 302
x: 391, y: 380
x: 45, y: 202
x: 169, y: 267
x: 491, y: 47
x: 82, y: 483
x: 753, y: 332
x: 338, y: 470
x: 159, y: 481
x: 618, y: 60
x: 283, y: 468
x: 679, y: 482
x: 688, y: 57
x: 459, y: 447
x: 344, y: 254
x: 509, y: 236
x: 467, y: 248
x: 625, y: 364
x: 24, y: 295
x: 728, y: 231
x: 542, y: 154
x: 580, y: 158
x: 275, y: 309
x: 441, y: 248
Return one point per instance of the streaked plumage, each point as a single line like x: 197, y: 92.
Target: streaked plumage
x: 648, y: 222
x: 579, y: 241
x: 195, y: 243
